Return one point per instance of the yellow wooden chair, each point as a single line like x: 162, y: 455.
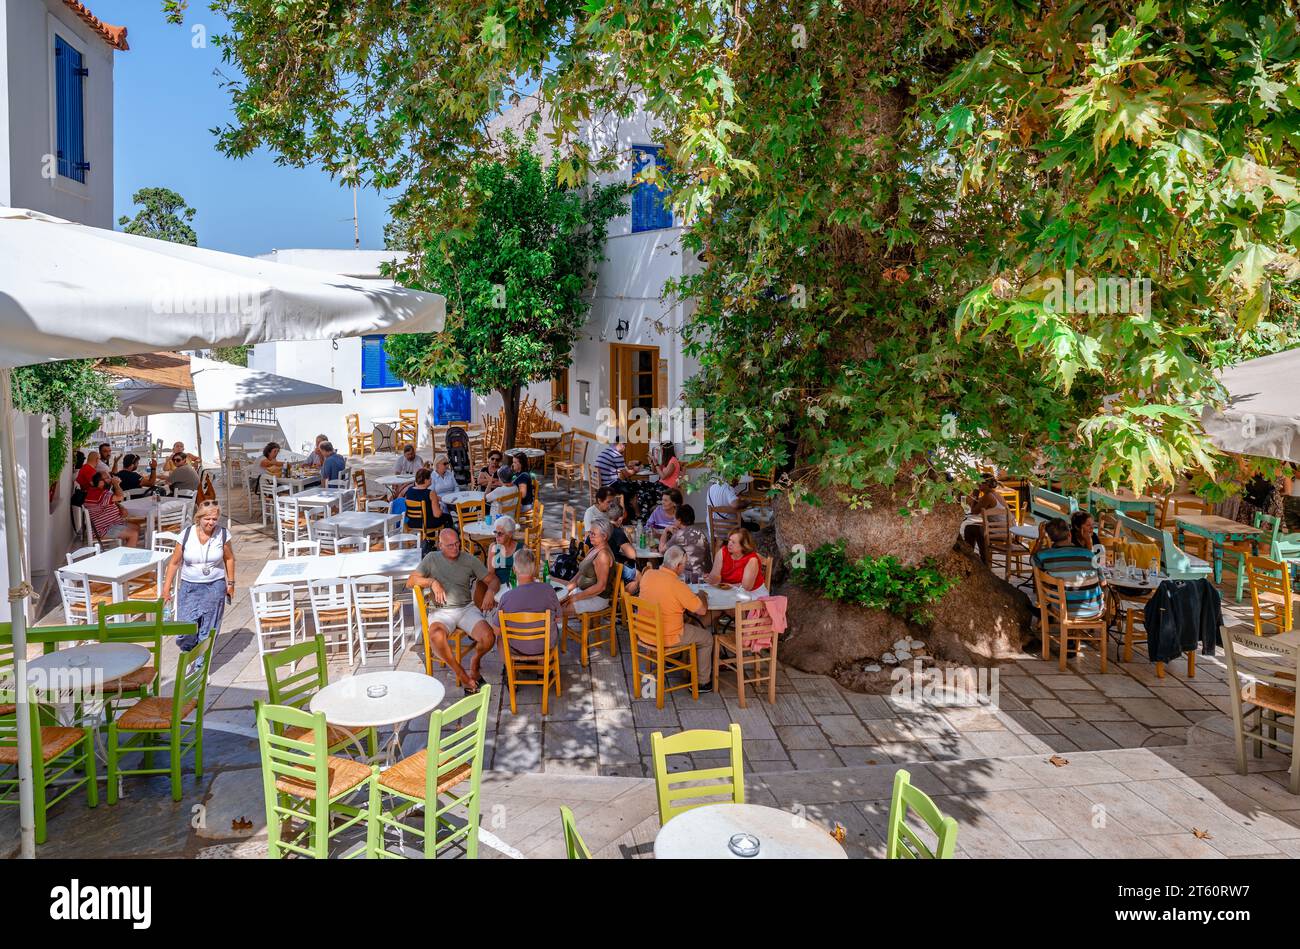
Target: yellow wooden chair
x: 1000, y: 542
x: 645, y: 633
x: 573, y: 465
x: 751, y: 644
x: 458, y: 639
x: 467, y: 513
x: 568, y: 531
x: 597, y: 628
x: 1012, y: 499
x: 359, y: 442
x: 681, y: 790
x: 1053, y: 612
x: 408, y: 429
x: 541, y: 668
x: 1270, y: 594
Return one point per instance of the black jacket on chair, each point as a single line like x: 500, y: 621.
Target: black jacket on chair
x: 1182, y: 615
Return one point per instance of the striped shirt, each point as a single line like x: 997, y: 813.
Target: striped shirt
x: 609, y: 463
x: 1083, y: 595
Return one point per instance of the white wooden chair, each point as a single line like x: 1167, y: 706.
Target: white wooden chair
x: 290, y: 521
x: 331, y: 611
x: 379, y: 616
x: 302, y: 548
x: 80, y: 605
x: 275, y: 614
x: 326, y: 537
x: 1262, y: 677
x: 402, y: 542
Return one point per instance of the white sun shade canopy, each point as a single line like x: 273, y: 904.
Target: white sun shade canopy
x: 1262, y: 414
x: 222, y: 387
x: 69, y: 291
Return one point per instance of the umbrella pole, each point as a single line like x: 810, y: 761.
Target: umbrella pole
x: 18, y: 593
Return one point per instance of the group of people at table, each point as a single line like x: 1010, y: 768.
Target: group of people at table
x: 101, y: 484
x: 450, y: 576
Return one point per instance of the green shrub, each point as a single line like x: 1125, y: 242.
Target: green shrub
x: 880, y: 583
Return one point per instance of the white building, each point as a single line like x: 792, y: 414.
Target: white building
x: 356, y: 367
x: 628, y: 356
x: 56, y: 156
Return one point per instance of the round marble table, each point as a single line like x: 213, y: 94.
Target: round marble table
x: 408, y: 695
x: 722, y: 600
x: 85, y: 668
x: 703, y: 833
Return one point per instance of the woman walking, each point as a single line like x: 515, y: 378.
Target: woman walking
x: 205, y: 558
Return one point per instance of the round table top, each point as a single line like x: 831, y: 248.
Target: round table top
x: 704, y: 832
x: 546, y: 436
x: 648, y: 553
x: 346, y: 703
x: 529, y: 452
x: 720, y: 599
x: 455, y: 497
x: 481, y: 530
x: 99, y: 662
x: 1125, y: 581
x: 388, y: 420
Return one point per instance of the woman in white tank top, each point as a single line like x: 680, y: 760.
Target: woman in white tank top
x: 205, y: 558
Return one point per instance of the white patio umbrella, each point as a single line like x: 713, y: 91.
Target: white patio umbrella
x: 221, y: 387
x: 1262, y: 414
x: 68, y: 291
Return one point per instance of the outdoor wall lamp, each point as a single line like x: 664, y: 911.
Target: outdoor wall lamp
x: 621, y: 329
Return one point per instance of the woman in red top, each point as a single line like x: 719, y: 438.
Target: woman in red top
x: 670, y: 469
x: 738, y: 563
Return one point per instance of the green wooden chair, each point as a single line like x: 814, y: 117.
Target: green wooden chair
x: 57, y: 751
x: 903, y: 843
x: 173, y: 724
x: 304, y: 786
x: 729, y: 781
x: 439, y: 779
x: 294, y: 675
x: 574, y: 845
x: 144, y: 682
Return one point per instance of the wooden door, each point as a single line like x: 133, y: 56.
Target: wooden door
x: 634, y: 372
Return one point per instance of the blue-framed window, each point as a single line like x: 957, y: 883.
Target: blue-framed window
x: 375, y: 373
x: 650, y: 200
x: 70, y: 114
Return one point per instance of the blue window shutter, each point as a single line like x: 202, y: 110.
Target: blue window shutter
x: 70, y: 118
x: 375, y: 373
x: 450, y: 404
x: 373, y: 362
x: 650, y: 205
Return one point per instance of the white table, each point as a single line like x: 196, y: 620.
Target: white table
x: 118, y: 567
x: 703, y: 833
x: 532, y: 454
x: 284, y: 455
x: 1124, y: 581
x: 483, y: 533
x: 1025, y: 531
x: 70, y: 677
x: 323, y: 497
x: 648, y: 553
x: 299, y: 483
x: 719, y: 599
x: 395, y: 483
x: 546, y: 437
x: 407, y: 695
x: 299, y: 571
x: 141, y: 507
x: 456, y: 497
x: 356, y: 523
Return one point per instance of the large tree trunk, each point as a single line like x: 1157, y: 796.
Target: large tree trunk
x: 510, y: 399
x: 979, y: 621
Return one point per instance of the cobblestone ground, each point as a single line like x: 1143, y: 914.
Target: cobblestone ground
x: 1143, y: 766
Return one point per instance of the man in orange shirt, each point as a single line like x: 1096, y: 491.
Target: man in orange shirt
x: 664, y: 587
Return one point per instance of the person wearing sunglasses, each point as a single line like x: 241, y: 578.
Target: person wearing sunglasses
x: 501, y: 553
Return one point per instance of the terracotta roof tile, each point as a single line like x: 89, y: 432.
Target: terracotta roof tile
x: 114, y: 36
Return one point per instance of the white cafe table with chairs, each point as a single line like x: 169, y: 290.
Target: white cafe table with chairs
x: 356, y: 523
x: 299, y: 571
x: 117, y: 567
x: 394, y: 483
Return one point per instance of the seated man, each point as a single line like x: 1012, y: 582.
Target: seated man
x: 621, y: 546
x: 448, y: 576
x: 1065, y: 559
x: 129, y: 477
x: 332, y: 464
x: 409, y: 463
x: 603, y: 498
x: 723, y: 499
x: 528, y: 596
x: 182, y: 475
x: 103, y: 506
x: 616, y: 474
x: 316, y: 459
x: 664, y: 587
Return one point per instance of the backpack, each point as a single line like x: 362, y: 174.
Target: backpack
x: 565, y: 566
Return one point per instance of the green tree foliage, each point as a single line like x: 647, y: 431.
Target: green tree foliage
x: 163, y: 215
x: 875, y: 582
x: 73, y: 385
x: 517, y: 283
x: 888, y: 198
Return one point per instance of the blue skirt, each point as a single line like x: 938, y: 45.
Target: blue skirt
x: 203, y: 604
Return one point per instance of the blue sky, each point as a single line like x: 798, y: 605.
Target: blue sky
x: 168, y: 100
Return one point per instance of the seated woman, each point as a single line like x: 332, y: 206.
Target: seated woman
x: 269, y: 462
x: 692, y: 538
x: 664, y: 514
x: 316, y: 458
x: 501, y: 552
x: 444, y: 479
x: 984, y: 498
x: 669, y: 468
x: 1081, y: 530
x: 419, y: 493
x: 522, y: 479
x: 591, y: 590
x: 738, y: 564
x: 102, y: 504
